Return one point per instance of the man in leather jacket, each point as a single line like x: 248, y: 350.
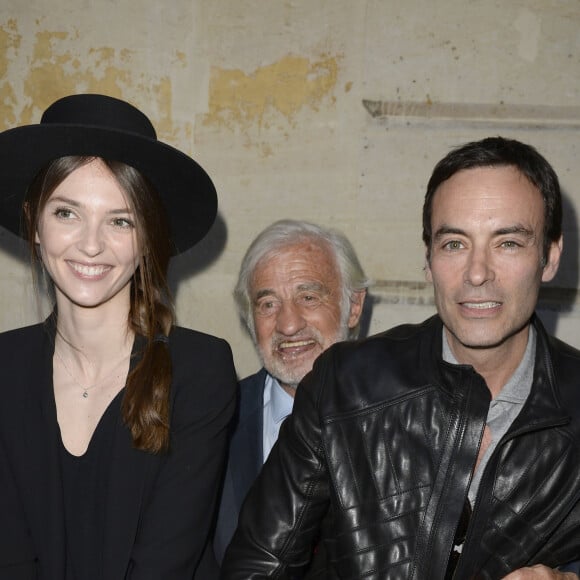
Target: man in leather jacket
x: 448, y: 449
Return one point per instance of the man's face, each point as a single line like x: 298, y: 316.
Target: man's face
x: 486, y: 258
x: 296, y: 299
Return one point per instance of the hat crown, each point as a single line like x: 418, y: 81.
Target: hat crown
x: 97, y: 125
x: 92, y: 110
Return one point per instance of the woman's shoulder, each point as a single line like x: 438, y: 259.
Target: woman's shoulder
x: 203, y: 366
x: 191, y: 348
x: 181, y: 338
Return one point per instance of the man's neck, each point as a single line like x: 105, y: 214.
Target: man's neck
x: 495, y: 364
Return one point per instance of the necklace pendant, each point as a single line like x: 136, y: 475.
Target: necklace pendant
x: 85, y: 394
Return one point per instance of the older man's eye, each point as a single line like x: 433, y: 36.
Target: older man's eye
x: 267, y: 307
x: 309, y: 300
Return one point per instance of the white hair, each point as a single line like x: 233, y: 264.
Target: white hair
x: 284, y: 233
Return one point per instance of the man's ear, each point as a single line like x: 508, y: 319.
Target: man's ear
x: 553, y: 260
x: 427, y: 267
x: 357, y: 300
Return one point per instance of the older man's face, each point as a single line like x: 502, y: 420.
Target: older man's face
x: 296, y: 300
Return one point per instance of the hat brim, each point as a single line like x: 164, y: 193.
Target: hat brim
x: 184, y: 187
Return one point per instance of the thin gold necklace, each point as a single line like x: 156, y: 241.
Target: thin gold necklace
x: 75, y: 380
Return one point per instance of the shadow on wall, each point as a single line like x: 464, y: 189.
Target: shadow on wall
x: 366, y: 316
x: 14, y: 246
x: 198, y: 258
x: 561, y: 294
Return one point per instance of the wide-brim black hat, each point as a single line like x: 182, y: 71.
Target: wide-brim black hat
x: 99, y: 125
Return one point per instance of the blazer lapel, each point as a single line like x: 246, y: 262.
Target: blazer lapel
x: 129, y: 471
x: 247, y: 455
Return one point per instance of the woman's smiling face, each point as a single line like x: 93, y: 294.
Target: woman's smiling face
x: 87, y: 238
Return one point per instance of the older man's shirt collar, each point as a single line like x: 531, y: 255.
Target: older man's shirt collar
x: 277, y: 406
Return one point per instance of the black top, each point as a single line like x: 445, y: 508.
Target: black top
x: 84, y: 487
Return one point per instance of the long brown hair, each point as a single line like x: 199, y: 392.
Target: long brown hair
x: 145, y: 407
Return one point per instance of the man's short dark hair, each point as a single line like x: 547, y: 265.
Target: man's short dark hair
x: 498, y: 152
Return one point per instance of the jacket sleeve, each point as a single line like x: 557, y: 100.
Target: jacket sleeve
x: 281, y: 515
x: 176, y: 520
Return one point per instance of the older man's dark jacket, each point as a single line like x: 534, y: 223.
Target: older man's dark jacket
x: 377, y: 458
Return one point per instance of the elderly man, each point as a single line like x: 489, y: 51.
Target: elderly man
x: 300, y: 289
x: 448, y: 449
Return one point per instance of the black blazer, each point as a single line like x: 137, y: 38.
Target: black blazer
x: 157, y: 508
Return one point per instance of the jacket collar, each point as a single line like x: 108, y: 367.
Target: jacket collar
x: 543, y: 405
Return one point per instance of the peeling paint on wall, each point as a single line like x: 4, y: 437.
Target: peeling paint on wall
x: 59, y: 67
x: 285, y: 87
x: 9, y: 43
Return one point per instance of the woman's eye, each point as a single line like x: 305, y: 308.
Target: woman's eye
x: 123, y: 223
x: 63, y: 213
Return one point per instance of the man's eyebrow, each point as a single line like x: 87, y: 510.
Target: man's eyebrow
x: 312, y: 286
x: 445, y: 230
x: 264, y: 292
x: 304, y: 287
x: 515, y: 229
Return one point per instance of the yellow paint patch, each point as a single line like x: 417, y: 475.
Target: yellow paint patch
x: 286, y: 86
x: 57, y: 68
x: 9, y: 43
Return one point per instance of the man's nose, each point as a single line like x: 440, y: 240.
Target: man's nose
x: 479, y: 268
x: 289, y: 319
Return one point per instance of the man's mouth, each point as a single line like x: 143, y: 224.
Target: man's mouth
x: 481, y: 305
x: 295, y: 343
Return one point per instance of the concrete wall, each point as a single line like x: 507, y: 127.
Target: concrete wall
x: 330, y: 110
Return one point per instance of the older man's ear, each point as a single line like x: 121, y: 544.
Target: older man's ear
x: 357, y: 300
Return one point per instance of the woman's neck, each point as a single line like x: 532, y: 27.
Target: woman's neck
x: 94, y: 334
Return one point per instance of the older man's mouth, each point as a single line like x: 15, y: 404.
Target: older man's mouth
x: 296, y: 347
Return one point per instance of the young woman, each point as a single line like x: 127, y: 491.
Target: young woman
x: 112, y: 419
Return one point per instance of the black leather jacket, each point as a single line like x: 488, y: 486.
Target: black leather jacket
x: 376, y: 460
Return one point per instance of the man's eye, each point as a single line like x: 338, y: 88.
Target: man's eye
x: 309, y: 299
x: 267, y: 307
x: 453, y: 245
x: 510, y: 244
